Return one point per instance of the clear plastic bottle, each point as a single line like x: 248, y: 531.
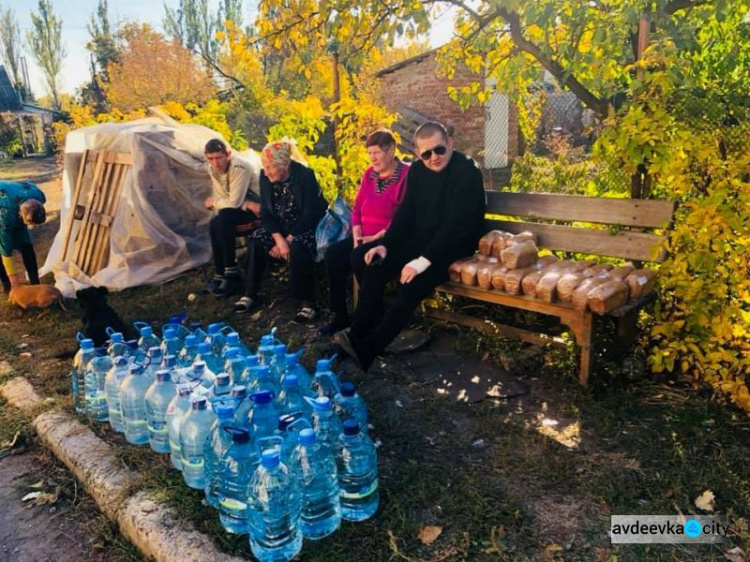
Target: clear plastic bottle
x: 325, y: 383
x: 117, y: 346
x: 198, y: 377
x: 326, y: 423
x: 176, y: 410
x: 94, y: 377
x: 171, y: 344
x: 196, y: 328
x: 291, y: 399
x: 116, y: 374
x: 357, y: 465
x: 349, y: 404
x: 315, y: 468
x: 154, y: 360
x: 220, y: 390
x: 238, y: 465
x: 189, y: 351
x: 265, y: 415
x: 294, y: 367
x: 215, y: 447
x: 194, y: 430
x: 147, y: 339
x: 278, y: 363
x: 274, y: 511
x: 133, y: 403
x: 243, y: 405
x: 287, y: 434
x: 248, y: 377
x: 264, y: 381
x: 77, y: 374
x: 234, y: 365
x: 265, y: 350
x: 233, y: 341
x: 158, y: 398
x: 216, y: 339
x: 213, y: 362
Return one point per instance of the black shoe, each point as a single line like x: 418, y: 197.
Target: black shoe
x: 338, y: 324
x: 246, y: 304
x: 212, y: 285
x: 229, y: 286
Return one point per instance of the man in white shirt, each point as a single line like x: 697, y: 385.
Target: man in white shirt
x: 235, y: 200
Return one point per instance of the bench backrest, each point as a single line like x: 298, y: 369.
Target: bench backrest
x: 624, y: 227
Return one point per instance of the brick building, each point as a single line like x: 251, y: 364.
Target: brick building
x: 413, y: 89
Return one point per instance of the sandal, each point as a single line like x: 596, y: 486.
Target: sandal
x: 306, y: 314
x: 246, y: 304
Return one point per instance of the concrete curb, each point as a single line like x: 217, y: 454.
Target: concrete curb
x: 152, y: 527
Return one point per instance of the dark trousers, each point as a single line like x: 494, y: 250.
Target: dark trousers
x: 374, y: 326
x: 341, y: 259
x: 29, y: 262
x: 222, y: 231
x: 301, y: 269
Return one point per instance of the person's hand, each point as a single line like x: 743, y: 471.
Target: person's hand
x: 209, y: 203
x: 376, y: 251
x: 408, y: 274
x: 289, y: 238
x: 252, y: 207
x: 14, y: 281
x: 357, y: 241
x: 280, y: 250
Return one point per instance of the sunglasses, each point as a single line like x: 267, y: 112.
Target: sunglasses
x: 439, y: 150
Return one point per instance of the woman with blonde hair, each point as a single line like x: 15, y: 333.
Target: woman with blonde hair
x: 291, y: 205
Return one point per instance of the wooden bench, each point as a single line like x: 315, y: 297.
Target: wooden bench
x: 631, y: 229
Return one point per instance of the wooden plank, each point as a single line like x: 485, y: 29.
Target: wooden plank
x: 644, y: 213
x: 83, y: 232
x: 520, y: 301
x: 111, y: 210
x: 92, y: 229
x: 100, y: 232
x: 494, y: 328
x: 628, y: 245
x: 74, y: 203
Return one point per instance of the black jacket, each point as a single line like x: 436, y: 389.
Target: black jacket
x: 443, y: 212
x: 307, y: 194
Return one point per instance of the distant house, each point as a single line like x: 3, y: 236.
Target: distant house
x: 487, y: 133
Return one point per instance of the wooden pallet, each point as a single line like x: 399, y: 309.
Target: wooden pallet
x: 91, y: 245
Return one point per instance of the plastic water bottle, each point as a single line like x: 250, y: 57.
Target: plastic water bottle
x: 233, y: 341
x: 77, y: 375
x: 265, y: 414
x: 316, y: 472
x: 176, y: 410
x: 215, y: 447
x: 287, y: 432
x: 154, y: 359
x: 291, y: 399
x: 220, y: 390
x: 94, y: 377
x: 248, y: 377
x: 117, y: 346
x: 189, y: 351
x: 357, y: 465
x: 243, y: 405
x: 238, y: 465
x: 325, y: 383
x: 196, y: 328
x: 263, y: 381
x: 213, y: 362
x: 278, y: 363
x: 216, y: 339
x: 171, y: 344
x: 158, y: 398
x: 274, y: 511
x: 194, y: 430
x: 133, y: 403
x: 265, y: 350
x: 147, y: 339
x: 349, y: 404
x: 198, y: 377
x: 116, y: 374
x: 234, y: 365
x: 294, y: 367
x: 325, y: 422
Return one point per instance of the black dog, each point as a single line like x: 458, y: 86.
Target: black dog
x: 98, y: 315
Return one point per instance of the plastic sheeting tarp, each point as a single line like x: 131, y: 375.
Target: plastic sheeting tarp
x: 160, y: 228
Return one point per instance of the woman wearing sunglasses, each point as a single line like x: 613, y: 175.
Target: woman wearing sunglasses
x: 440, y: 220
x: 380, y: 193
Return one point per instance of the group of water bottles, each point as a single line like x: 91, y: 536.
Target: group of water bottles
x: 281, y: 454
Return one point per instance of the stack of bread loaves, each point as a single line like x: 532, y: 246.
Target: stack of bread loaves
x: 511, y: 263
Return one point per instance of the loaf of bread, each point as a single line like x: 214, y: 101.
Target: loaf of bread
x: 597, y: 269
x: 546, y: 289
x: 486, y: 241
x: 567, y: 284
x: 519, y: 255
x: 528, y: 283
x: 621, y: 272
x: 513, y: 277
x: 608, y: 296
x: 500, y: 243
x: 454, y: 271
x: 522, y: 237
x: 498, y: 277
x: 580, y: 265
x: 469, y: 272
x: 580, y: 298
x: 640, y: 282
x: 547, y: 260
x: 484, y: 272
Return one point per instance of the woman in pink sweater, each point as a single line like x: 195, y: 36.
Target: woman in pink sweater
x: 380, y: 193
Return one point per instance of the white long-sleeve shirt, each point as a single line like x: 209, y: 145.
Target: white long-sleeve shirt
x: 238, y: 183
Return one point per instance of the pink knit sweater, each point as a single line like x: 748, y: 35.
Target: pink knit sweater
x: 372, y: 210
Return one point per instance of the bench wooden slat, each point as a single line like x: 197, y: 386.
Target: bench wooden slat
x: 645, y: 213
x: 627, y: 245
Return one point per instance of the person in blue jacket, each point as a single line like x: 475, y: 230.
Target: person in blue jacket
x: 21, y: 206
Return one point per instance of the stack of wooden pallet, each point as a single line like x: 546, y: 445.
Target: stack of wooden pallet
x: 101, y: 174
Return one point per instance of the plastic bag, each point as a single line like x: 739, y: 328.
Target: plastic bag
x: 335, y: 225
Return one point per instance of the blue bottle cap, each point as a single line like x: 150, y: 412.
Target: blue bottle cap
x: 270, y: 458
x: 214, y: 329
x: 348, y: 389
x: 100, y: 351
x: 224, y: 409
x: 223, y: 379
x: 323, y: 365
x: 170, y: 332
x: 120, y: 362
x: 351, y: 427
x: 307, y: 437
x: 239, y: 391
x: 153, y: 351
x: 279, y: 349
x: 238, y: 434
x: 262, y: 397
x: 170, y: 361
x: 322, y: 404
x: 231, y: 353
x: 184, y: 389
x: 199, y: 367
x: 233, y: 338
x: 163, y: 375
x: 262, y: 372
x: 199, y: 403
x: 136, y: 369
x: 87, y: 345
x: 252, y: 361
x: 191, y: 340
x: 292, y: 359
x: 116, y: 337
x: 290, y: 381
x: 204, y: 347
x: 146, y: 331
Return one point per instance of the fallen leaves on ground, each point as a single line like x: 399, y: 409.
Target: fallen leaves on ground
x: 705, y: 501
x: 429, y: 534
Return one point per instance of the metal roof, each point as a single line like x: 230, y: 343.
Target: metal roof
x: 9, y: 98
